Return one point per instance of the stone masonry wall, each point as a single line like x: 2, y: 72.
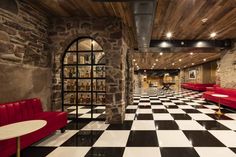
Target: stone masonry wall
x: 108, y: 33
x: 227, y: 69
x: 24, y: 58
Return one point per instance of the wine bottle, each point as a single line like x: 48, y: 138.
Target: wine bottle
x: 81, y: 99
x: 87, y: 87
x: 103, y: 99
x: 72, y: 99
x: 70, y: 73
x: 82, y: 86
x: 102, y: 86
x: 88, y: 99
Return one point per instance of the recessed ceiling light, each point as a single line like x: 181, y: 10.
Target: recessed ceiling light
x: 136, y: 64
x: 161, y: 53
x: 191, y: 53
x: 204, y: 20
x: 156, y: 60
x: 192, y: 63
x: 213, y: 35
x: 154, y: 63
x: 185, y: 66
x: 168, y: 34
x: 204, y: 59
x: 134, y: 60
x: 173, y: 63
x: 180, y: 60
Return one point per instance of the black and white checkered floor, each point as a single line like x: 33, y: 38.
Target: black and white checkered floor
x: 168, y: 125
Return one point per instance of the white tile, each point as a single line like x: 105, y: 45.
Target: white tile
x: 189, y: 125
x: 193, y: 103
x: 132, y: 107
x: 176, y: 111
x: 158, y: 107
x: 81, y: 111
x: 143, y: 125
x: 88, y: 115
x: 177, y: 101
x: 185, y: 107
x: 228, y: 123
x: 129, y: 116
x: 231, y: 115
x: 69, y: 151
x: 210, y: 111
x: 168, y: 103
x: 56, y: 139
x: 172, y: 138
x: 162, y: 116
x: 112, y: 139
x: 214, y: 152
x: 142, y: 152
x: 96, y: 125
x: 144, y: 110
x: 199, y: 101
x: 155, y: 101
x: 164, y: 99
x: 199, y: 116
x: 144, y: 103
x: 211, y: 106
x: 227, y: 137
x: 101, y: 107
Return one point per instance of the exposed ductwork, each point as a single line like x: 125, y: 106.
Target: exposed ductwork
x: 144, y: 14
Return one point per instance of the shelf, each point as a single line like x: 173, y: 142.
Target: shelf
x: 85, y: 51
x: 75, y: 64
x: 94, y: 105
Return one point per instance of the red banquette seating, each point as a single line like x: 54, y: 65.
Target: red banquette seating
x: 196, y: 86
x: 230, y: 101
x: 29, y: 109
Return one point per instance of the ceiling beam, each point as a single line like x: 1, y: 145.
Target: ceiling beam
x: 191, y: 43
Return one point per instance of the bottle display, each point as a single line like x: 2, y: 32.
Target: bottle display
x: 84, y: 78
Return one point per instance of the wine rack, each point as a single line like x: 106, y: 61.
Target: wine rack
x: 83, y: 78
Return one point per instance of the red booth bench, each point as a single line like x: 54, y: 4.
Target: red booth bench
x: 30, y: 109
x: 196, y: 86
x: 230, y: 101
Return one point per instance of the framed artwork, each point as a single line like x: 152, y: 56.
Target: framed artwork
x: 192, y: 74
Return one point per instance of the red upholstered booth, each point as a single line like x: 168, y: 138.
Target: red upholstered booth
x: 229, y: 101
x: 196, y: 86
x: 29, y: 109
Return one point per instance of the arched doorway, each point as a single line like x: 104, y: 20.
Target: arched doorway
x: 83, y: 80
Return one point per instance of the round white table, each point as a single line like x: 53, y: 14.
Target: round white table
x: 16, y: 130
x: 219, y: 96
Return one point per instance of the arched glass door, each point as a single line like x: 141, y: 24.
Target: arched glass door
x: 83, y: 80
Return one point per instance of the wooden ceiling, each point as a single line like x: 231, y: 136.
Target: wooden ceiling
x: 181, y: 17
x: 174, y: 60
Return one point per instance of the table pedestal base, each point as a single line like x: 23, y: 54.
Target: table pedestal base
x: 18, y: 146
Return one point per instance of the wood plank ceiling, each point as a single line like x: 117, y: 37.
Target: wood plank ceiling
x: 181, y: 17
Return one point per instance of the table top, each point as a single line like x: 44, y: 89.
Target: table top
x: 20, y: 128
x: 220, y: 95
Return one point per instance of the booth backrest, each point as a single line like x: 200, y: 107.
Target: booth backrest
x: 19, y: 111
x: 226, y: 91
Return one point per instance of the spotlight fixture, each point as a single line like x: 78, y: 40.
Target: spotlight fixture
x: 136, y: 64
x: 154, y: 64
x: 204, y: 59
x: 191, y: 53
x: 204, y: 20
x: 213, y: 35
x: 157, y: 60
x: 134, y: 60
x: 180, y: 60
x: 161, y: 53
x: 168, y: 34
x: 173, y: 63
x: 192, y: 63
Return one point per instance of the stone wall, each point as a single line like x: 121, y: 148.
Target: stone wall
x: 108, y: 33
x: 227, y: 69
x: 24, y: 57
x: 130, y: 78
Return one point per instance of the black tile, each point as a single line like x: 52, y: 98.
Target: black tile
x: 191, y: 111
x: 213, y: 125
x: 159, y: 111
x: 233, y: 149
x: 203, y: 139
x: 105, y: 152
x: 97, y: 111
x: 144, y: 117
x: 219, y: 117
x: 156, y: 103
x: 166, y: 125
x: 144, y: 101
x: 171, y: 106
x: 142, y: 139
x: 83, y: 138
x: 144, y: 106
x: 130, y: 111
x: 181, y: 116
x: 102, y: 116
x: 178, y: 152
x: 41, y: 151
x: 125, y: 126
x: 76, y: 125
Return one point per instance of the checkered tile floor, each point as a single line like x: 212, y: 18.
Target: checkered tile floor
x: 167, y: 125
x: 84, y: 112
